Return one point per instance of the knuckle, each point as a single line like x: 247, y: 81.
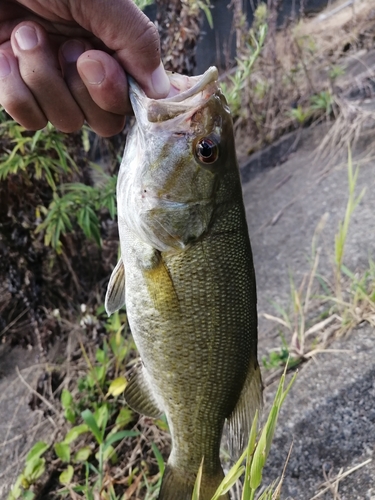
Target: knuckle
x: 31, y: 78
x: 148, y: 39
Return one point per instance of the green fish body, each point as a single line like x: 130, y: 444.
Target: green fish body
x: 186, y: 276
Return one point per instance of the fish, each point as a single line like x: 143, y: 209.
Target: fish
x: 187, y: 279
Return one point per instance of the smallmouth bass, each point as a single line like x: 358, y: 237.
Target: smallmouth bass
x: 187, y: 279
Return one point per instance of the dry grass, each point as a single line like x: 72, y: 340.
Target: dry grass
x: 300, y: 66
x: 331, y: 484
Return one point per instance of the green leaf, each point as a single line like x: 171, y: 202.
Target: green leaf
x: 246, y: 492
x: 197, y: 484
x: 159, y: 458
x: 101, y: 416
x: 118, y: 436
x: 109, y: 453
x: 162, y: 423
x: 100, y: 356
x: 62, y: 450
x: 34, y: 469
x: 16, y: 490
x: 70, y: 415
x: 66, y: 399
x: 28, y: 495
x: 85, y: 140
x: 37, y: 450
x: 89, y: 418
x: 233, y: 471
x: 124, y: 417
x: 117, y: 386
x: 67, y: 475
x: 75, y: 432
x: 83, y: 454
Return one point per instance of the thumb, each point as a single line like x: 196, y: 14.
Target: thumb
x: 123, y: 27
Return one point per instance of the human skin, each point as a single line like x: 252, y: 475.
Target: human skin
x: 65, y: 61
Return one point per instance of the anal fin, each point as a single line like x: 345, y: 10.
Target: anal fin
x: 139, y: 396
x: 115, y: 296
x: 240, y: 421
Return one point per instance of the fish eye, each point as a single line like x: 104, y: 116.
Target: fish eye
x: 207, y: 150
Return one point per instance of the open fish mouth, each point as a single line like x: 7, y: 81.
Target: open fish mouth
x: 188, y: 86
x: 187, y: 93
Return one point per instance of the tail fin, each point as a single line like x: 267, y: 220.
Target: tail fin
x: 177, y: 485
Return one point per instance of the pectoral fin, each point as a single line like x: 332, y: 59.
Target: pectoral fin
x: 115, y: 296
x: 239, y: 422
x: 139, y: 396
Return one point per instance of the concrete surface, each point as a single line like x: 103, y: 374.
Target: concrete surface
x: 329, y: 417
x: 20, y: 427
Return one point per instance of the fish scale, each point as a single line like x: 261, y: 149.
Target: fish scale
x: 186, y: 276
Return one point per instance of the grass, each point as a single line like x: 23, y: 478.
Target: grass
x: 300, y: 76
x: 345, y: 300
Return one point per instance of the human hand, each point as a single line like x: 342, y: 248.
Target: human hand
x: 64, y: 61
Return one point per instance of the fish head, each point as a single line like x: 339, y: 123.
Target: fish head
x: 177, y: 158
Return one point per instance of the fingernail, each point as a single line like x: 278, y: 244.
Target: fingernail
x: 4, y: 66
x: 160, y: 81
x: 72, y: 49
x: 93, y: 71
x: 26, y: 37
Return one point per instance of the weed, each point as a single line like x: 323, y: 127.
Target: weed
x: 204, y: 6
x: 43, y: 156
x: 323, y: 101
x: 34, y: 469
x: 293, y: 78
x: 342, y: 234
x: 234, y: 91
x: 43, y: 152
x: 300, y: 114
x: 343, y: 310
x: 335, y: 71
x: 79, y: 205
x: 96, y: 423
x: 280, y: 357
x: 87, y: 451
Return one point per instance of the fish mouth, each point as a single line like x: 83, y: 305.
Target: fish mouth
x: 187, y: 94
x: 188, y: 86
